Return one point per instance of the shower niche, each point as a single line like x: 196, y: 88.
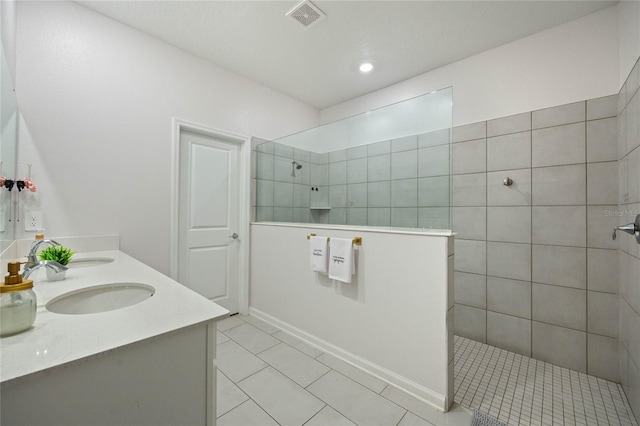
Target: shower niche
x: 389, y: 167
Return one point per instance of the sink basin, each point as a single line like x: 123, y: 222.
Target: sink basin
x: 88, y: 261
x: 101, y: 298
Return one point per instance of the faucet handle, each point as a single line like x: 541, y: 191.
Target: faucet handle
x: 630, y: 228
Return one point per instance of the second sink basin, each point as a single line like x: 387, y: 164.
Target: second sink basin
x: 101, y: 298
x: 89, y: 261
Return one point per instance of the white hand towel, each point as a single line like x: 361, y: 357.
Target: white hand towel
x: 341, y: 265
x: 318, y: 254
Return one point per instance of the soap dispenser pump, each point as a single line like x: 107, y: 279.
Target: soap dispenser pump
x: 17, y: 302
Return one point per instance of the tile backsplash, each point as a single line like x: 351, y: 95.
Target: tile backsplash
x: 535, y: 264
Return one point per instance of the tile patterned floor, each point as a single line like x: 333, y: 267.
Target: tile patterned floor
x: 267, y: 377
x: 524, y: 391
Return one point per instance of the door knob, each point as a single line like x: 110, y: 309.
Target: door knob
x: 235, y: 236
x: 631, y: 228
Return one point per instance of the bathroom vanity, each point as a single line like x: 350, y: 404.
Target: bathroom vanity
x: 149, y: 363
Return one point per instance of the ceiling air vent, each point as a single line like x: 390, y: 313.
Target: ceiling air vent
x: 307, y: 14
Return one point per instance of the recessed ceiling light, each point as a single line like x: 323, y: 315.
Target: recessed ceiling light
x: 366, y: 67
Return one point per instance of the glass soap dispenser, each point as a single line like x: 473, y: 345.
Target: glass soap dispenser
x: 17, y: 302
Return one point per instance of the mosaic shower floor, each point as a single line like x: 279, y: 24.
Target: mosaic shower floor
x: 523, y: 391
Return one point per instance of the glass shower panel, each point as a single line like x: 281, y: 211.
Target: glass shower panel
x: 389, y: 167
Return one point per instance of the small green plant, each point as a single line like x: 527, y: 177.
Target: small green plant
x: 59, y: 254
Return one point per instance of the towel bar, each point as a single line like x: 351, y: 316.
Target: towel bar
x: 356, y: 240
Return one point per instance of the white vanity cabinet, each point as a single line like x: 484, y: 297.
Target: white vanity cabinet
x: 151, y: 363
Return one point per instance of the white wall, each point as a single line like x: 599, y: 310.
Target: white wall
x: 629, y: 24
x: 8, y: 24
x: 568, y: 63
x: 97, y: 98
x: 402, y: 280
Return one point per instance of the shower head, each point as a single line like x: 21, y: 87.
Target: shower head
x: 295, y: 166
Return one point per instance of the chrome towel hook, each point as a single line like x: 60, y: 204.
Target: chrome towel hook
x: 507, y: 182
x: 631, y: 228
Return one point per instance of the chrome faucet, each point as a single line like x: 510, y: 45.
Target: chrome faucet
x: 33, y: 263
x: 51, y: 264
x: 31, y: 257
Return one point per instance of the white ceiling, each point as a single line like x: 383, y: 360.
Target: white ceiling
x: 319, y: 65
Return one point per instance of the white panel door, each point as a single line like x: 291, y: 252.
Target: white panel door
x: 209, y: 246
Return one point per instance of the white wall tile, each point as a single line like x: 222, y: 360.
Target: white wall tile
x: 560, y: 265
x: 434, y: 217
x: 562, y: 114
x: 282, y: 194
x: 379, y: 168
x: 404, y: 144
x: 470, y: 223
x: 356, y: 216
x: 404, y: 193
x: 600, y: 224
x: 510, y: 297
x: 601, y: 356
x: 518, y: 194
x: 406, y: 217
x: 357, y: 152
x: 602, y: 183
x: 512, y: 151
x: 379, y: 194
x: 510, y: 333
x: 602, y: 270
x: 439, y: 137
x: 434, y: 191
x: 509, y: 260
x: 603, y: 313
x: 379, y: 148
x: 357, y: 195
x: 469, y: 132
x: 471, y: 256
x: 557, y: 146
x: 511, y: 124
x: 558, y: 186
x: 264, y: 193
x: 378, y: 216
x: 337, y: 196
x: 338, y: 173
x: 471, y: 323
x: 560, y: 346
x: 337, y: 156
x: 470, y: 157
x: 470, y: 289
x: 509, y: 224
x: 562, y: 306
x: 282, y: 150
x: 604, y: 107
x: 434, y: 161
x: 357, y: 171
x: 470, y: 190
x: 602, y: 140
x: 404, y: 165
x: 559, y: 225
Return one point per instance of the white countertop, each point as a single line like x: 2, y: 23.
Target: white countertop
x: 58, y: 339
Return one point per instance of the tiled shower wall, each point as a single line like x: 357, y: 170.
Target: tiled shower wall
x: 402, y: 182
x: 628, y: 208
x: 536, y: 268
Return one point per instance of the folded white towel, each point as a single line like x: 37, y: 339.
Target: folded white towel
x: 341, y: 259
x: 318, y: 254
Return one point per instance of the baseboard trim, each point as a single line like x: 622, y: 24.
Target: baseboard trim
x: 426, y: 395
